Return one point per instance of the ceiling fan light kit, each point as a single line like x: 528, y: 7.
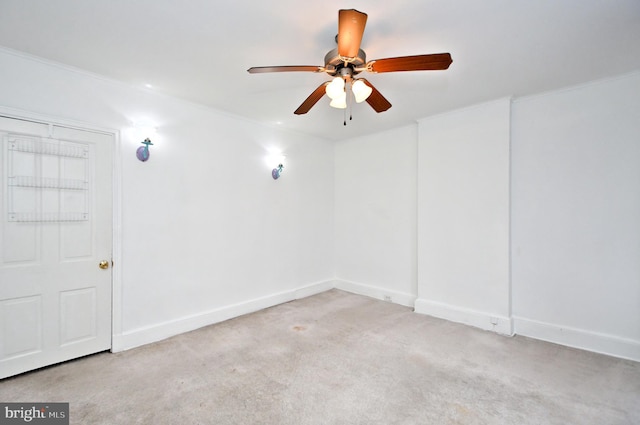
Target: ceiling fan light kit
x: 361, y: 91
x: 348, y: 60
x: 339, y: 102
x: 335, y: 89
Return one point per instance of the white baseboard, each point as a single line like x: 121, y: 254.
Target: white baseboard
x: 376, y: 292
x: 578, y: 338
x: 479, y: 319
x: 146, y: 335
x: 572, y: 337
x: 313, y: 289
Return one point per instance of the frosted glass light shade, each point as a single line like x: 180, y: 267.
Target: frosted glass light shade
x: 335, y: 89
x: 339, y: 102
x: 361, y: 91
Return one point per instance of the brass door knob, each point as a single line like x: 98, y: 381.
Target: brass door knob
x: 103, y: 265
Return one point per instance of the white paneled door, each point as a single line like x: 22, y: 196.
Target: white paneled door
x: 55, y: 244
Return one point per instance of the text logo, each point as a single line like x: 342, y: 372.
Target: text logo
x: 34, y: 413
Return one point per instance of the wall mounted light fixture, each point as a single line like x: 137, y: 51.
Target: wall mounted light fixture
x: 275, y: 173
x: 142, y: 153
x: 275, y: 156
x: 146, y: 131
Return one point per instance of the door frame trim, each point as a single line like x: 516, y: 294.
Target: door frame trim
x: 116, y: 213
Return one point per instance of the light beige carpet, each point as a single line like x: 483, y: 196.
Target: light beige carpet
x: 339, y: 358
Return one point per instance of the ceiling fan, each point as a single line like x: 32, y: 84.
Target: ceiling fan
x: 346, y: 61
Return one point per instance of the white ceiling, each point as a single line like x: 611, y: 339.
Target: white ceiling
x: 200, y: 50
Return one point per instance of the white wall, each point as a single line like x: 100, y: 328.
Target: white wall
x: 207, y: 234
x: 463, y: 216
x: 576, y: 216
x: 375, y: 210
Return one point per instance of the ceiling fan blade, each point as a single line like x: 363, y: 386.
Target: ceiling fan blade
x: 351, y: 25
x: 377, y: 101
x: 312, y: 99
x: 289, y: 68
x: 432, y: 62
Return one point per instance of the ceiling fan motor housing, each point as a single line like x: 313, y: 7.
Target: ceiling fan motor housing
x: 334, y: 63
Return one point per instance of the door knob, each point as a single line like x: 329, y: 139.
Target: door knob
x: 103, y: 265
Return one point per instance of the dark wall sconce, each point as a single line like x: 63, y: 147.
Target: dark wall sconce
x: 142, y: 153
x: 275, y: 173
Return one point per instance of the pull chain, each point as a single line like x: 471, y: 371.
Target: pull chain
x: 349, y: 94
